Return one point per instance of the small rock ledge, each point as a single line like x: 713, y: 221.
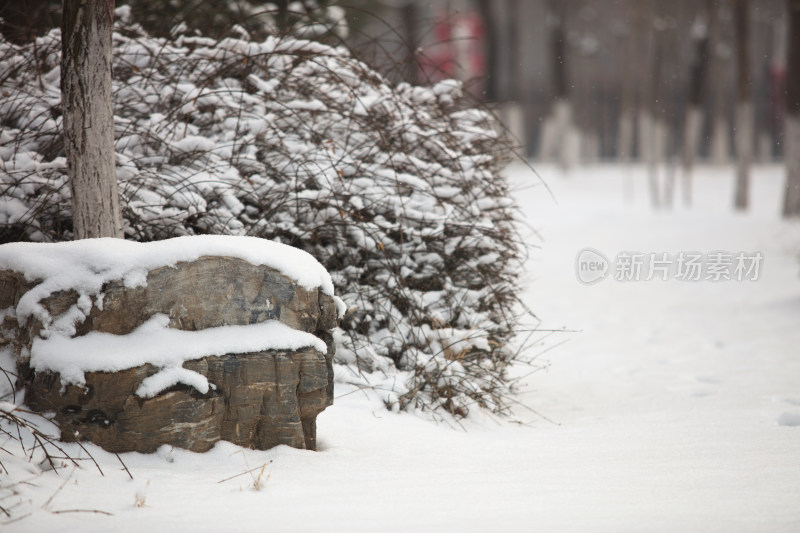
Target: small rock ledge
x: 257, y: 399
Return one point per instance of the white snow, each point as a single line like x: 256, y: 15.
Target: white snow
x: 156, y: 343
x: 675, y: 405
x: 151, y: 386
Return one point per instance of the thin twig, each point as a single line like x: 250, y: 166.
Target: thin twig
x: 242, y: 474
x: 49, y: 500
x: 124, y: 466
x: 96, y: 511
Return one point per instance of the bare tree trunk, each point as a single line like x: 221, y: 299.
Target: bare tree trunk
x: 560, y: 138
x: 511, y: 110
x: 719, y: 150
x: 89, y: 117
x: 490, y: 49
x: 558, y: 50
x: 649, y: 135
x: 745, y: 118
x: 627, y: 116
x: 791, y: 200
x: 514, y: 63
x: 697, y: 90
x: 410, y: 24
x: 282, y: 15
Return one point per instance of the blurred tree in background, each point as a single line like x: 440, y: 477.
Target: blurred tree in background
x: 668, y: 84
x: 24, y: 19
x: 791, y: 203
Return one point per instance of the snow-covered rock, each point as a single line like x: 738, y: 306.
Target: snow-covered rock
x: 184, y: 342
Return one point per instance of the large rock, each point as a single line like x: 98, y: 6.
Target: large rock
x: 257, y: 400
x: 261, y: 400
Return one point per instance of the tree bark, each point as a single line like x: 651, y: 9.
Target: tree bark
x: 88, y: 112
x: 410, y: 16
x: 560, y: 138
x: 719, y: 150
x: 628, y: 111
x: 791, y: 203
x: 558, y: 51
x: 513, y: 15
x: 745, y: 118
x: 650, y: 139
x: 697, y: 90
x: 282, y: 16
x: 490, y: 50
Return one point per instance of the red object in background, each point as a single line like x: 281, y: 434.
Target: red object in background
x: 458, y: 48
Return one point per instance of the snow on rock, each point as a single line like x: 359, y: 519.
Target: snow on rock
x: 155, y: 343
x: 169, y: 377
x: 88, y: 263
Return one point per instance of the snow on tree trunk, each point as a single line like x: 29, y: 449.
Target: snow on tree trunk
x: 791, y: 202
x: 745, y: 117
x: 89, y: 117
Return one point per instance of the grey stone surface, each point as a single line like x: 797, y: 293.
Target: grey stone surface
x: 260, y: 399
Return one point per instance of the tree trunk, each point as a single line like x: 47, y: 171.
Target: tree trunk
x: 791, y: 203
x: 558, y: 51
x: 410, y: 16
x: 89, y: 117
x: 629, y: 84
x: 697, y: 90
x: 745, y: 118
x: 513, y: 15
x: 649, y: 128
x: 560, y: 138
x: 490, y: 50
x: 719, y: 150
x: 282, y: 16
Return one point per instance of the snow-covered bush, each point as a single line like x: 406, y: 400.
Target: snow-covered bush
x: 306, y: 18
x: 395, y: 189
x: 24, y: 20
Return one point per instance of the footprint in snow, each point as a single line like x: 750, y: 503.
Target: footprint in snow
x: 789, y: 419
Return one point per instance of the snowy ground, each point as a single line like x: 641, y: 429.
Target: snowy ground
x: 676, y: 405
